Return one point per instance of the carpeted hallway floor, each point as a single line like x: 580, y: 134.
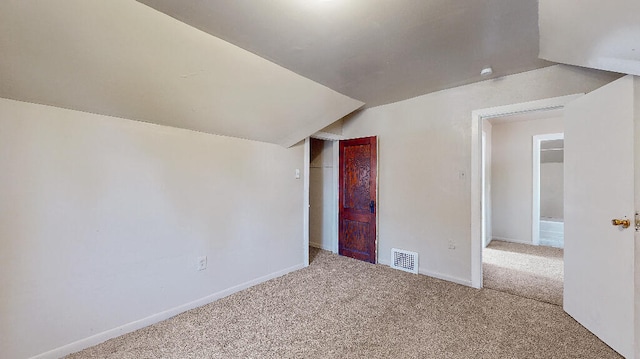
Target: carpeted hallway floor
x: 535, y: 272
x: 342, y: 308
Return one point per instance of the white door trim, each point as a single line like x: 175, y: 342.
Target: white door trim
x: 336, y: 192
x: 307, y: 170
x: 535, y: 209
x: 476, y: 175
x: 327, y: 136
x: 483, y: 193
x: 305, y: 201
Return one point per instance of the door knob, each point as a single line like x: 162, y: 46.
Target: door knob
x: 625, y: 223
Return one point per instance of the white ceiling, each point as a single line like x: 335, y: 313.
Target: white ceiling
x: 592, y: 33
x: 121, y: 58
x: 280, y: 70
x: 376, y: 51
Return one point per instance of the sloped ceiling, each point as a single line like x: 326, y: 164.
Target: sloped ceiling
x: 376, y: 51
x: 124, y: 59
x: 597, y: 34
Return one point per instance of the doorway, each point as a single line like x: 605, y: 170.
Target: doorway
x: 597, y: 258
x: 513, y: 262
x: 548, y: 190
x: 323, y: 197
x: 321, y: 194
x: 323, y: 217
x: 477, y: 188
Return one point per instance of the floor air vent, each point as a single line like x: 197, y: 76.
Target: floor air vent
x: 404, y: 260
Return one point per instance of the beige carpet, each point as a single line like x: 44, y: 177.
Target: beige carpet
x: 343, y: 308
x: 535, y: 272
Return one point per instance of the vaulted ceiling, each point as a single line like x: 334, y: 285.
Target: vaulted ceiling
x: 274, y: 71
x: 376, y: 51
x: 121, y: 58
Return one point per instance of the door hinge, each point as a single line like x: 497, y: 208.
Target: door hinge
x: 637, y: 221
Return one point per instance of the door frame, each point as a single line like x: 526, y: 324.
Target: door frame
x: 327, y: 136
x: 305, y: 201
x: 334, y: 138
x: 376, y: 178
x: 483, y: 194
x: 476, y: 167
x: 535, y: 209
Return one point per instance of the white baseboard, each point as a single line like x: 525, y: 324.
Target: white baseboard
x: 510, y: 240
x: 437, y: 275
x: 155, y: 318
x: 319, y: 245
x: 448, y: 278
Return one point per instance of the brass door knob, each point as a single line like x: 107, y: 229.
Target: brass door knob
x: 625, y: 223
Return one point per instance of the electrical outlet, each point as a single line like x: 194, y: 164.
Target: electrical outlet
x: 202, y: 263
x: 452, y: 245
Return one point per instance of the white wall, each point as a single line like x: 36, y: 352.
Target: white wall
x: 488, y: 131
x: 102, y: 220
x: 334, y: 128
x: 512, y: 170
x: 425, y: 145
x: 155, y: 68
x: 552, y: 190
x: 323, y: 203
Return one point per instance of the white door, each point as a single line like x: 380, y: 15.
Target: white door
x: 599, y: 186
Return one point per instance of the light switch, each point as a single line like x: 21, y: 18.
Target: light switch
x: 297, y: 173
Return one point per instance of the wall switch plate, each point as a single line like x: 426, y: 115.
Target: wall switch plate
x: 202, y: 263
x: 297, y: 173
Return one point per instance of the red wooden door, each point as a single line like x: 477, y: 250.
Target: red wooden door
x: 357, y: 199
